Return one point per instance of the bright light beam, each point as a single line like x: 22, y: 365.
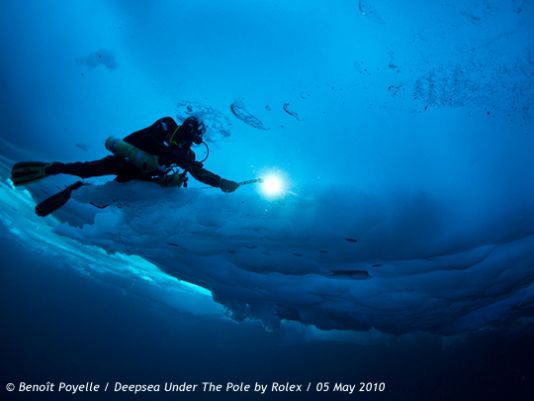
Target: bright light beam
x: 273, y: 186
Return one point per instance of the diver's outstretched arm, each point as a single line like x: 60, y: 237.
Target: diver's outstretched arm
x: 212, y: 179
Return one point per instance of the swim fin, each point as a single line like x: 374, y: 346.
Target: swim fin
x: 54, y: 202
x: 27, y: 172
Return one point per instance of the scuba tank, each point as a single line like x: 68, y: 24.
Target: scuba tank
x: 144, y: 161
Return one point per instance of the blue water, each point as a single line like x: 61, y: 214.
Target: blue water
x: 401, y: 249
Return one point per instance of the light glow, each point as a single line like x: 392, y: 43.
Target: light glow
x: 273, y: 186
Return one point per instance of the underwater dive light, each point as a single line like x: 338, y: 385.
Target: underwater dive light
x: 273, y: 186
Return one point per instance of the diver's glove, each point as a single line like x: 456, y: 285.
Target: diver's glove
x: 227, y: 185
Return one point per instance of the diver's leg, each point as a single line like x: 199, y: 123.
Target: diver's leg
x: 110, y: 165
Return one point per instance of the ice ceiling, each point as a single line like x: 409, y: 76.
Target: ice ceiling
x: 404, y: 132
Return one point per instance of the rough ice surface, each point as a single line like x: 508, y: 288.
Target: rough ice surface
x: 281, y: 260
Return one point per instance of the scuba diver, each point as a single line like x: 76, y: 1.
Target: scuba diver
x: 152, y: 154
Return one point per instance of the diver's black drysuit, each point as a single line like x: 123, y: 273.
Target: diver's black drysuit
x: 152, y: 140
